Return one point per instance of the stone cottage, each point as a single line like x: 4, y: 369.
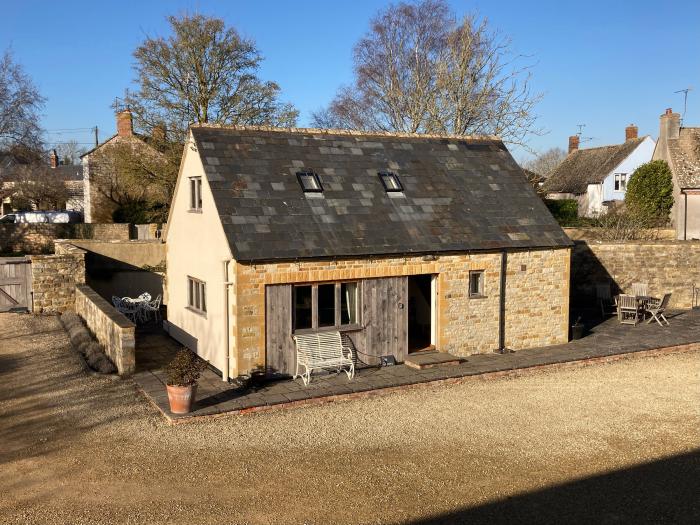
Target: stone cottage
x: 402, y: 242
x: 679, y: 146
x: 101, y: 189
x: 597, y: 177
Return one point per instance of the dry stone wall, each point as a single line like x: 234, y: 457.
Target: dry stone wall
x: 112, y: 329
x: 667, y: 266
x: 54, y: 278
x: 39, y: 238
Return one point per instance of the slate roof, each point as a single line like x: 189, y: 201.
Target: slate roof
x: 460, y: 194
x: 685, y: 157
x: 588, y: 166
x: 62, y: 172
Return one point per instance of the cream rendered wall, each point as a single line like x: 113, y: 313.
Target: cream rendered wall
x: 196, y: 246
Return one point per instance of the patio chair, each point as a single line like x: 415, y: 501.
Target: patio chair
x: 640, y: 289
x: 131, y: 309
x: 608, y: 303
x: 656, y: 309
x: 627, y: 309
x: 153, y: 307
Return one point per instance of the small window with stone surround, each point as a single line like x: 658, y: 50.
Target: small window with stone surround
x: 476, y: 283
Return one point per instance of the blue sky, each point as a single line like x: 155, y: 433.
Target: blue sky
x: 605, y: 64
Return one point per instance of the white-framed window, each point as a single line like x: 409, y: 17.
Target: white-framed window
x: 196, y: 193
x: 620, y: 181
x: 325, y: 305
x: 476, y: 283
x: 196, y: 295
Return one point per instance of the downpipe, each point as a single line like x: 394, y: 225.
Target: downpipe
x: 227, y: 340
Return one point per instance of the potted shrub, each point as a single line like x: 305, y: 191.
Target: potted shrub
x: 183, y: 373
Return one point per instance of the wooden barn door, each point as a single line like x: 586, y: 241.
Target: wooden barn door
x: 15, y: 284
x: 385, y: 316
x: 280, y: 356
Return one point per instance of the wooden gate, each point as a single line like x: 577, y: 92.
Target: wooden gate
x: 15, y: 283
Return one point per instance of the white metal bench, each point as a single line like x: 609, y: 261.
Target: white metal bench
x: 322, y: 350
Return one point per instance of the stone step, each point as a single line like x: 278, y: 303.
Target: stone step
x: 423, y: 360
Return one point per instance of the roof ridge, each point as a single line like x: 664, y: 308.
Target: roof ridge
x: 613, y: 145
x: 348, y: 132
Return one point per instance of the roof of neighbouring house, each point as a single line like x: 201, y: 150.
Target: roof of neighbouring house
x: 62, y: 172
x: 460, y: 194
x: 588, y: 166
x: 685, y: 157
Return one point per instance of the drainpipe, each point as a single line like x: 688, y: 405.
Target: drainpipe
x: 502, y: 305
x: 227, y: 347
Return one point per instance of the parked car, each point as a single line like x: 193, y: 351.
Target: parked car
x: 35, y: 217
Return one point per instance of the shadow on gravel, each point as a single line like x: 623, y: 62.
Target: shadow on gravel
x: 664, y: 491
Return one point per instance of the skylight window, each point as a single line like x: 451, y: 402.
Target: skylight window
x: 309, y: 181
x: 390, y: 181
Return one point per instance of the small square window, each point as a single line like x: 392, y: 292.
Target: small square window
x: 390, y: 181
x: 309, y: 181
x: 476, y: 283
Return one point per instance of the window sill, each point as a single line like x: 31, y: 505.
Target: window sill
x: 195, y: 311
x: 479, y: 296
x: 344, y: 328
x: 195, y: 210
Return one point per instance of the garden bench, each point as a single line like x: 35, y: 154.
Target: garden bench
x: 320, y: 351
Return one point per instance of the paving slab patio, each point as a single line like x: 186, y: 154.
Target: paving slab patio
x: 154, y: 349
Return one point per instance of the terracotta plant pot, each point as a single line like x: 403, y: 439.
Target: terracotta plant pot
x: 181, y: 398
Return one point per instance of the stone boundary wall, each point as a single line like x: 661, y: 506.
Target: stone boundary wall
x: 667, y: 266
x: 54, y: 278
x: 594, y: 234
x: 39, y: 238
x: 112, y: 329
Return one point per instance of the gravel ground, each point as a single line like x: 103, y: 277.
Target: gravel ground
x: 615, y: 443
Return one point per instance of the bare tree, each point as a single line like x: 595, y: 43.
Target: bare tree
x: 420, y: 70
x: 545, y: 162
x: 20, y: 104
x: 204, y: 72
x: 36, y: 186
x: 69, y: 152
x: 135, y: 176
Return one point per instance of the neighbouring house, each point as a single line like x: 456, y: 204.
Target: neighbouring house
x: 14, y: 171
x: 402, y: 242
x: 101, y: 186
x: 597, y: 177
x: 679, y: 146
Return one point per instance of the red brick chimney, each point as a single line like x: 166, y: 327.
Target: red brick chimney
x: 631, y: 132
x: 53, y: 158
x: 125, y: 126
x: 573, y: 143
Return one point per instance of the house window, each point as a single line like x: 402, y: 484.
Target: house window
x: 476, y: 283
x: 390, y: 181
x: 196, y: 295
x: 348, y: 303
x: 325, y: 305
x: 620, y: 181
x: 196, y: 193
x: 309, y: 181
x: 302, y: 307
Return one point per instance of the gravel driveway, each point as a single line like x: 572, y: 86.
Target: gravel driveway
x: 615, y: 443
